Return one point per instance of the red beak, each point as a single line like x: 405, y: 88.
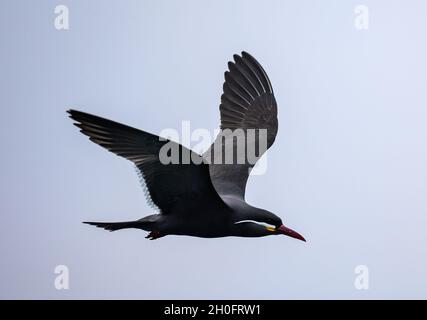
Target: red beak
x: 290, y: 233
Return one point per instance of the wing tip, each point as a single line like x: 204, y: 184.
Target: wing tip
x: 246, y: 54
x: 72, y: 111
x: 75, y: 114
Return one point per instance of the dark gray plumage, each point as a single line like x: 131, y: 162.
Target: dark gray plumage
x: 201, y: 198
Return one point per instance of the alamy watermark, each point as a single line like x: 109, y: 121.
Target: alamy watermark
x: 226, y: 146
x: 62, y: 280
x: 361, y: 282
x: 62, y: 17
x: 361, y: 20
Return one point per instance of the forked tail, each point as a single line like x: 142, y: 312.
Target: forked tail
x: 113, y: 226
x: 147, y: 223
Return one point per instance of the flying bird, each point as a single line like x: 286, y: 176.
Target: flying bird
x: 204, y: 197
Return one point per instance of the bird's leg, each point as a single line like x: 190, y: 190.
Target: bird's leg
x: 153, y: 235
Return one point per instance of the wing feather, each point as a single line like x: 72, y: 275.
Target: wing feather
x: 173, y: 188
x: 247, y: 102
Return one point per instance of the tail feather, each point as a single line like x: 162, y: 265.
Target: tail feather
x: 113, y: 226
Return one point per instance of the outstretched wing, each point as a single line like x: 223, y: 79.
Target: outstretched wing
x: 247, y: 103
x: 175, y: 187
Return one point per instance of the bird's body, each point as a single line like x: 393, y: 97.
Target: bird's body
x: 203, y: 221
x: 204, y: 197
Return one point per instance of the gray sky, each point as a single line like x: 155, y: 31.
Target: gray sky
x: 348, y: 169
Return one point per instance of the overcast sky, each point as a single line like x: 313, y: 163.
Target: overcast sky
x: 348, y: 169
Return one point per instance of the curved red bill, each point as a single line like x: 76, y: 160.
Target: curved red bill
x: 290, y: 233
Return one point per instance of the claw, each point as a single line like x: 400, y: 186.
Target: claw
x: 153, y: 235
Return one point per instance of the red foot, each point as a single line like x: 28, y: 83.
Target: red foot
x: 153, y: 235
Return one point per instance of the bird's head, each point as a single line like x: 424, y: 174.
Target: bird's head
x: 260, y: 222
x: 276, y: 226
